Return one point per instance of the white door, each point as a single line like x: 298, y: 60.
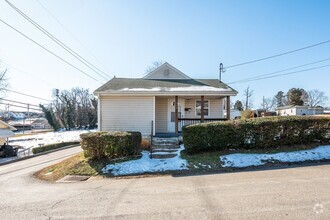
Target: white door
x: 171, y: 114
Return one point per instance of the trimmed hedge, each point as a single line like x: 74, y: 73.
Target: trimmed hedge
x: 111, y: 145
x: 260, y: 133
x: 49, y: 147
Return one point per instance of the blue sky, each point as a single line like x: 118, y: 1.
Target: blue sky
x: 194, y: 36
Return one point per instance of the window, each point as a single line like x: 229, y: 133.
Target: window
x: 199, y: 108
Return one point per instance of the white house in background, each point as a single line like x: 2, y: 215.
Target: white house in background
x: 299, y: 110
x: 6, y: 131
x: 161, y: 102
x: 234, y: 113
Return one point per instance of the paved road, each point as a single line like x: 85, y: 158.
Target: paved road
x: 295, y: 193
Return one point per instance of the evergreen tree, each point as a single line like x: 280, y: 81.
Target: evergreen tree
x: 296, y: 96
x: 279, y: 99
x: 238, y: 105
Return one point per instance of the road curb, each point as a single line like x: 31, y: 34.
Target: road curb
x: 40, y: 154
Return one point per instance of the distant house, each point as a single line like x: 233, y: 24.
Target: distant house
x: 234, y: 114
x: 161, y: 102
x: 6, y: 131
x: 299, y: 110
x: 40, y: 123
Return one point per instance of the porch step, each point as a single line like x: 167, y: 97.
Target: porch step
x: 160, y: 150
x: 165, y: 141
x: 162, y: 156
x: 165, y: 146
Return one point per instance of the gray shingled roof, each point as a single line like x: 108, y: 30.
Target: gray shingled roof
x: 123, y: 83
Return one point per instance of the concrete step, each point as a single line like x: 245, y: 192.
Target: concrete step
x: 161, y: 150
x: 160, y: 141
x: 166, y: 146
x: 162, y: 156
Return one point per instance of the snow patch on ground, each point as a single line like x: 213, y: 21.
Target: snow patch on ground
x: 147, y: 165
x: 47, y: 138
x: 246, y: 160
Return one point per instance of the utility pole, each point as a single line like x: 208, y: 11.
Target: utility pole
x: 263, y: 102
x: 221, y: 70
x: 28, y: 108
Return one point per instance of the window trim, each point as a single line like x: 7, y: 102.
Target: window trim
x: 209, y: 107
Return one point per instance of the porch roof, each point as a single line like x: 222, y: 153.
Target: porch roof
x: 132, y: 85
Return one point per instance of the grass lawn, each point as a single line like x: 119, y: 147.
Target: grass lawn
x: 76, y: 165
x: 206, y: 162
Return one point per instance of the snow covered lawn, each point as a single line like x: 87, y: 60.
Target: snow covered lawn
x: 47, y: 138
x: 246, y: 160
x: 147, y: 165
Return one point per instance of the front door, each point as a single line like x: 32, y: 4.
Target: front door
x: 171, y: 114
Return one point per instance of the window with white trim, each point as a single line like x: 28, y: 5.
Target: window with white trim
x: 198, y: 107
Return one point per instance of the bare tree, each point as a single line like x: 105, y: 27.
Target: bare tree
x: 269, y: 104
x: 154, y: 66
x: 248, y: 93
x: 76, y: 108
x: 315, y: 97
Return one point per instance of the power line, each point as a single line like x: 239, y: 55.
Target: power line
x: 27, y: 95
x: 18, y: 106
x: 58, y: 42
x: 68, y: 31
x: 49, y: 51
x: 277, y: 55
x: 20, y: 70
x: 284, y: 74
x: 272, y: 73
x: 23, y: 103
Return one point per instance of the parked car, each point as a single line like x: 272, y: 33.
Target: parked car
x: 8, y: 151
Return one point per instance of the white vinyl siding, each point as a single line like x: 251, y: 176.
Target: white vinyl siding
x: 161, y: 114
x: 166, y: 71
x: 127, y: 114
x: 215, y: 108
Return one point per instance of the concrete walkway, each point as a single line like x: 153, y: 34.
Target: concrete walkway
x: 295, y: 193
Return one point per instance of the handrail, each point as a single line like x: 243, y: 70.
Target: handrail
x: 205, y: 119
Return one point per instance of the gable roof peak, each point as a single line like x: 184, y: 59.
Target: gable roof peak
x: 166, y: 71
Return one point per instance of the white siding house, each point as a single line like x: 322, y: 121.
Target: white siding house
x: 298, y: 110
x: 161, y: 102
x: 5, y: 132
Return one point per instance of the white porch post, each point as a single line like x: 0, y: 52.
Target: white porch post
x: 154, y: 116
x: 228, y: 107
x: 176, y: 116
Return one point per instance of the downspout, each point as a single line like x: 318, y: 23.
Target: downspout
x: 99, y: 127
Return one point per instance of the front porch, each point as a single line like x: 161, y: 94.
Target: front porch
x: 174, y: 112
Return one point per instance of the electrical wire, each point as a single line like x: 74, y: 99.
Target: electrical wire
x: 284, y: 74
x: 72, y: 35
x: 58, y: 42
x: 49, y: 51
x: 23, y: 103
x: 25, y: 72
x: 277, y: 55
x: 21, y: 93
x: 18, y: 106
x: 273, y: 73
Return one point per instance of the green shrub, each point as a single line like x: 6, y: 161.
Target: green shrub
x: 260, y: 133
x: 49, y: 147
x: 111, y: 145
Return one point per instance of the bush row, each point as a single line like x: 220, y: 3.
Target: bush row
x: 111, y: 145
x: 49, y: 147
x: 266, y: 132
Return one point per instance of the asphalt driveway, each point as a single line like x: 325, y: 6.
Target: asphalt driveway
x: 295, y: 193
